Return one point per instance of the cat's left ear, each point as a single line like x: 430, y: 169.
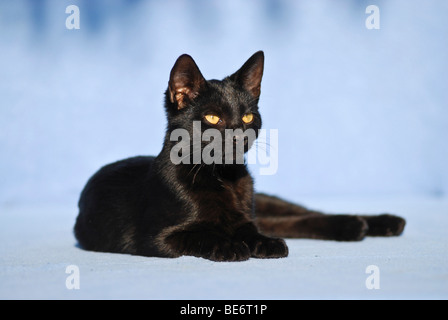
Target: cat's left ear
x: 185, y: 82
x: 250, y: 74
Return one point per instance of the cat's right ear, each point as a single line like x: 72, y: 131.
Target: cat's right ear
x: 250, y: 74
x: 185, y: 82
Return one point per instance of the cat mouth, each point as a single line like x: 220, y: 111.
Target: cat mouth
x: 236, y: 154
x: 233, y: 154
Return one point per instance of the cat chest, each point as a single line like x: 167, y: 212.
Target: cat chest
x: 232, y: 201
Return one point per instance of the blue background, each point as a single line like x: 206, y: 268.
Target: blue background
x: 359, y: 112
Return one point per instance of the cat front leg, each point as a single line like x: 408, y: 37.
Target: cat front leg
x: 204, y: 241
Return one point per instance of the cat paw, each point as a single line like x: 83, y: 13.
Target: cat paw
x: 265, y: 247
x: 385, y: 225
x: 230, y: 251
x: 203, y: 245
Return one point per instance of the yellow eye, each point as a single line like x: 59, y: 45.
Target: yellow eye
x: 212, y: 118
x: 248, y: 118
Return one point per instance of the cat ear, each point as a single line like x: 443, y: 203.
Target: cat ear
x: 185, y: 82
x: 250, y: 74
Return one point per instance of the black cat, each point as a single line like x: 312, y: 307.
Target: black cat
x: 155, y: 206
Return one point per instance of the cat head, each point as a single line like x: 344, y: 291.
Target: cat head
x: 227, y: 105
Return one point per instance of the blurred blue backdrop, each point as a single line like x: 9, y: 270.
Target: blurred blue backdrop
x: 360, y: 112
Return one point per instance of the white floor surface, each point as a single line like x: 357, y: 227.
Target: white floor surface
x: 37, y: 246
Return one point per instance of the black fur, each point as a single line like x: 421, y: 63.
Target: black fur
x: 153, y: 207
